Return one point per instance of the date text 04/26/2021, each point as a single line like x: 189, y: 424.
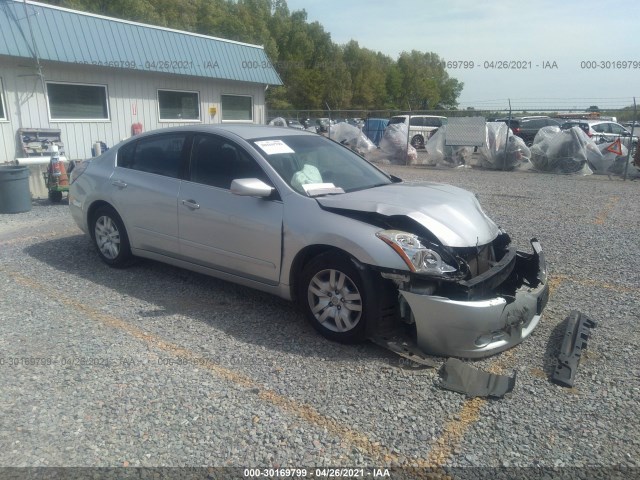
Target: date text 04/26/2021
x: 500, y: 64
x: 316, y: 473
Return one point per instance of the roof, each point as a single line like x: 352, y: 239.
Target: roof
x: 243, y: 130
x: 70, y: 36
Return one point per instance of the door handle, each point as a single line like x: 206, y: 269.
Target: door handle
x: 119, y: 184
x: 191, y: 204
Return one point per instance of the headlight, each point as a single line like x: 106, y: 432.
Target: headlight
x: 419, y: 258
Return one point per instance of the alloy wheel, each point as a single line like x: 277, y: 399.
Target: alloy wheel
x: 335, y: 300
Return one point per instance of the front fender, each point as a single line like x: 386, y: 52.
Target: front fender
x: 307, y: 225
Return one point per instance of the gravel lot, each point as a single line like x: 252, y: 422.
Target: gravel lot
x: 157, y: 366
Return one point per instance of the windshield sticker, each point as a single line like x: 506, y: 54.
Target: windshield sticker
x: 317, y: 189
x: 273, y: 147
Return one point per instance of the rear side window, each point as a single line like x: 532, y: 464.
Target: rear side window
x: 395, y: 120
x: 432, y: 122
x: 416, y: 121
x: 125, y: 155
x: 161, y: 155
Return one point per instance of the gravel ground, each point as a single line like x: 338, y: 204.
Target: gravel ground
x: 158, y: 366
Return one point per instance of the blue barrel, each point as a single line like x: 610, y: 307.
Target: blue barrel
x: 15, y: 196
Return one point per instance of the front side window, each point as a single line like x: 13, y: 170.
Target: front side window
x: 617, y: 129
x: 160, y: 154
x: 216, y: 161
x: 3, y: 111
x: 178, y: 106
x: 71, y: 101
x: 395, y: 120
x: 237, y: 108
x: 534, y: 123
x: 416, y: 121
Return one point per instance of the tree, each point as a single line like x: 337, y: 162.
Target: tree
x: 316, y: 71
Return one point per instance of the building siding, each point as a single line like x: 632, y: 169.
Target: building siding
x: 132, y: 98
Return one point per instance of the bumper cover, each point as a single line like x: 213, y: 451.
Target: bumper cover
x: 479, y: 328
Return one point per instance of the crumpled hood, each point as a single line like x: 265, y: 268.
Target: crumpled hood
x: 452, y: 214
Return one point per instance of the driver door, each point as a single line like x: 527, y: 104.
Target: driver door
x: 235, y: 234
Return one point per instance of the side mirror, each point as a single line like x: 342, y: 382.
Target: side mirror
x: 250, y: 187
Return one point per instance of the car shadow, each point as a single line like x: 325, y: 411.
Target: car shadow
x: 165, y: 292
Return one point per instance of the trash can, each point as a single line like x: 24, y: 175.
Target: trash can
x: 15, y: 196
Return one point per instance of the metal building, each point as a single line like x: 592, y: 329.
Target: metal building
x: 88, y: 78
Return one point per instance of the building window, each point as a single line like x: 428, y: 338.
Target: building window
x: 3, y: 111
x: 237, y: 108
x: 73, y: 101
x: 179, y: 106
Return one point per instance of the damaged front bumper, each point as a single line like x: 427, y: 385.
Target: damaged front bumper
x: 483, y: 327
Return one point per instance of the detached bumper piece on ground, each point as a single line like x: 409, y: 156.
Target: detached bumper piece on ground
x: 574, y: 341
x: 459, y: 377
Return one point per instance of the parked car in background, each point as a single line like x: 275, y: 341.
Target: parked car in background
x: 322, y: 124
x: 309, y: 124
x: 295, y: 124
x: 297, y: 215
x: 421, y: 127
x: 286, y: 122
x: 604, y: 131
x: 528, y: 127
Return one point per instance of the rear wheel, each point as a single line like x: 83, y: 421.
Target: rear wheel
x: 110, y: 237
x: 417, y: 142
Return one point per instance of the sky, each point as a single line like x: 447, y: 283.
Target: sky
x: 573, y: 51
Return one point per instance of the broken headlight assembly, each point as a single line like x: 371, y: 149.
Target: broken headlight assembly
x: 421, y: 257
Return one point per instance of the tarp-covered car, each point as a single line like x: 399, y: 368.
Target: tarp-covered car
x: 300, y: 216
x: 568, y: 151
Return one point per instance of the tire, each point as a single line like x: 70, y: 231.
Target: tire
x: 110, y: 237
x: 55, y: 196
x: 417, y: 142
x: 335, y: 299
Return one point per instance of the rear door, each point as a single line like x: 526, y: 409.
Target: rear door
x: 236, y: 234
x: 144, y: 189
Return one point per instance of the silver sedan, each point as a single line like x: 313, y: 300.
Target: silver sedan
x: 302, y: 217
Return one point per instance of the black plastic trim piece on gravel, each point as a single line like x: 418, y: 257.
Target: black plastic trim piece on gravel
x: 575, y: 340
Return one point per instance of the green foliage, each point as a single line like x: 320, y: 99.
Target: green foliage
x: 317, y: 73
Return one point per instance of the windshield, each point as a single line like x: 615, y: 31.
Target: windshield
x: 313, y: 165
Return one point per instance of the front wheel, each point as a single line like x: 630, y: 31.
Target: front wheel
x: 334, y: 298
x: 110, y: 237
